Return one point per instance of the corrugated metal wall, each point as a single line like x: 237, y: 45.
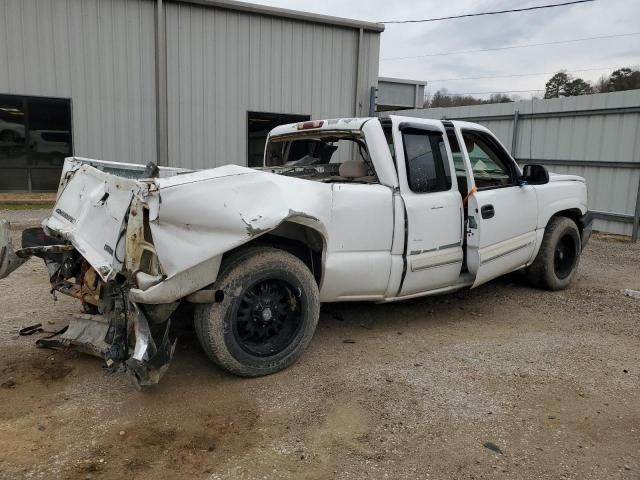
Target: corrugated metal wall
x: 599, y: 132
x: 99, y: 53
x: 223, y: 63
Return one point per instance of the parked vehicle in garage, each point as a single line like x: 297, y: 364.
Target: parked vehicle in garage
x: 362, y: 209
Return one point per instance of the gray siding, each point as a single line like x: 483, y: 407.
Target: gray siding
x: 223, y: 63
x: 370, y: 73
x: 595, y: 136
x: 99, y: 53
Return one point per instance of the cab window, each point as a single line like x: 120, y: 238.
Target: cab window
x: 490, y: 164
x: 426, y: 161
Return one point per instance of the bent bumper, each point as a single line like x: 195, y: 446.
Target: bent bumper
x: 585, y: 223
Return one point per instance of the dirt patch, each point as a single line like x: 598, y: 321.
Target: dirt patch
x: 135, y: 465
x: 551, y: 379
x: 47, y: 368
x: 156, y: 437
x: 38, y: 374
x: 161, y: 448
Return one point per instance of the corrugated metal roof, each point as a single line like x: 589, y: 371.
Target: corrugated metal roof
x: 286, y: 13
x: 403, y: 81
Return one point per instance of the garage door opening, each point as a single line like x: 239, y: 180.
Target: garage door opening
x: 259, y: 124
x: 35, y: 138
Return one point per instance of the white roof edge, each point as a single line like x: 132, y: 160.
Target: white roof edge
x: 408, y: 118
x: 402, y: 80
x: 346, y: 123
x: 286, y: 13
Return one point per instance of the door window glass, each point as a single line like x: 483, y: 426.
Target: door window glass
x: 426, y: 159
x: 491, y: 166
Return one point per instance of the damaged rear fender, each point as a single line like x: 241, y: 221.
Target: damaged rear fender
x: 196, y: 218
x: 205, y: 273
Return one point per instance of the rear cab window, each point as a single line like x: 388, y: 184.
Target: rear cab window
x: 318, y: 155
x: 426, y: 160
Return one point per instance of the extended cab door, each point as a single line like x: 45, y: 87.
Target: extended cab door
x: 502, y: 214
x: 433, y: 254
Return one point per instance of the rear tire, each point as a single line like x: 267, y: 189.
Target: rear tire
x: 557, y: 261
x: 265, y: 314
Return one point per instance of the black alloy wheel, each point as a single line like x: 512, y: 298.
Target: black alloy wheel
x: 268, y: 317
x: 564, y: 257
x: 266, y: 308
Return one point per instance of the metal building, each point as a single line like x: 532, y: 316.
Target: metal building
x: 189, y: 83
x: 399, y: 94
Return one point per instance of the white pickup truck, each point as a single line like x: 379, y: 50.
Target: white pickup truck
x: 354, y: 209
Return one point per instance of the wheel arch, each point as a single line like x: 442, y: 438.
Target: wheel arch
x: 300, y: 238
x: 574, y: 214
x: 542, y: 270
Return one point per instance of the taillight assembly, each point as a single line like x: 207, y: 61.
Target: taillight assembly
x: 312, y: 124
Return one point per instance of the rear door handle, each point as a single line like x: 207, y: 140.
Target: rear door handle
x: 487, y: 211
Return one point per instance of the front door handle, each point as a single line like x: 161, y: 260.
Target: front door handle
x: 487, y: 211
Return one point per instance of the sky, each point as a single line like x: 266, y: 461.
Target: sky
x: 593, y: 57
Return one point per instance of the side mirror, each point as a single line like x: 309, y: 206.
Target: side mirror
x: 535, y: 175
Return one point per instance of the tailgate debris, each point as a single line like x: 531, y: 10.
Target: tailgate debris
x: 632, y: 293
x: 492, y: 446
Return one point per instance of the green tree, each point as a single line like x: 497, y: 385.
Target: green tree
x: 576, y: 87
x: 564, y: 85
x: 555, y: 85
x: 624, y: 79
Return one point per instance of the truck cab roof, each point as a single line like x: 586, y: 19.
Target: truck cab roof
x: 350, y: 124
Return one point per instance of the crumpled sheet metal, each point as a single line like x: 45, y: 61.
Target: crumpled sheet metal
x: 89, y: 213
x: 201, y: 215
x: 149, y: 361
x: 88, y: 334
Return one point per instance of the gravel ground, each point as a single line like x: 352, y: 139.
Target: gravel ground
x: 21, y: 219
x: 429, y: 388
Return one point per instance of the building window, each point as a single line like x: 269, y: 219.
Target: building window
x: 259, y: 124
x: 35, y: 138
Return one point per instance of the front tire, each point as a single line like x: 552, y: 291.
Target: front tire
x: 266, y: 312
x: 557, y: 261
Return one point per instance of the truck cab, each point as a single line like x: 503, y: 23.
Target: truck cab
x: 457, y: 210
